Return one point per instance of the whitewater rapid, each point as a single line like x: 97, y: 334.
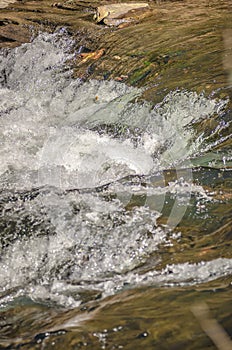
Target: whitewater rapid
x: 62, y: 141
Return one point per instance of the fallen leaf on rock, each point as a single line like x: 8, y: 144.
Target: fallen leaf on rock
x: 92, y: 55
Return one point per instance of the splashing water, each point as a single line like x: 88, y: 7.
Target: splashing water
x: 62, y: 142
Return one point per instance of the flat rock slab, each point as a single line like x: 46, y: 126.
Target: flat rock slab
x: 13, y: 35
x: 114, y: 14
x: 5, y: 3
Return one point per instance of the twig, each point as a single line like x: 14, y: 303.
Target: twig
x: 211, y: 327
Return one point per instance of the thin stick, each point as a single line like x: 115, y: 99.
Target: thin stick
x: 211, y: 327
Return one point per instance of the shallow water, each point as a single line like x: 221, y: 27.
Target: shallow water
x: 112, y: 207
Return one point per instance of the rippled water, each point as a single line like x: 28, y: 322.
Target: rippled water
x: 85, y: 181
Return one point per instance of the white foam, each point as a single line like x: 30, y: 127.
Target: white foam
x: 52, y: 126
x: 60, y: 132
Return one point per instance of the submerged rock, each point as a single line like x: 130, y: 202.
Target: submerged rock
x: 115, y: 14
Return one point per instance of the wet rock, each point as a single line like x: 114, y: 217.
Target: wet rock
x: 12, y: 35
x: 116, y: 14
x: 83, y: 49
x: 66, y: 5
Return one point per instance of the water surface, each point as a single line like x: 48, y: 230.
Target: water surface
x: 115, y: 211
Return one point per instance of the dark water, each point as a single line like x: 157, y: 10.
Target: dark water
x: 115, y: 211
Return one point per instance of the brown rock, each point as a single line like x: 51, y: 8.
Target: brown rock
x: 115, y: 14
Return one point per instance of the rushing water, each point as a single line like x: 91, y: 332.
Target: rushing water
x: 84, y: 180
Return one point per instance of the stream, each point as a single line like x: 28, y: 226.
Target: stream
x: 115, y: 209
